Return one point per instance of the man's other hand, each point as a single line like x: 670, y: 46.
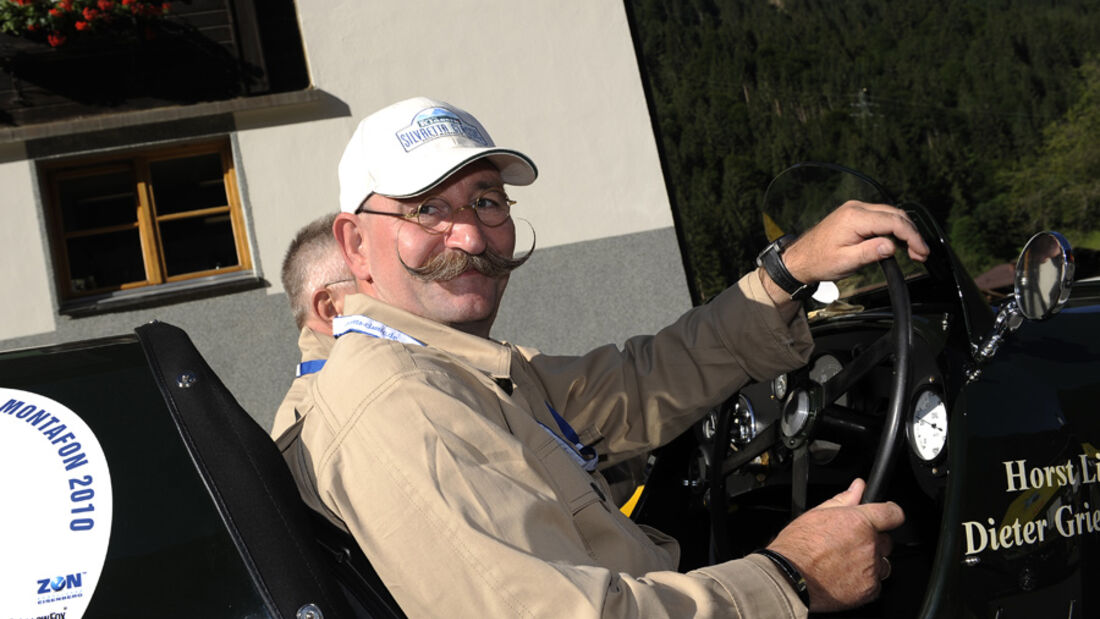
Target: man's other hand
x: 853, y: 235
x: 841, y: 547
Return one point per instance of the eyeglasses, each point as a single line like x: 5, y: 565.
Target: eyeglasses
x: 491, y: 207
x: 346, y: 280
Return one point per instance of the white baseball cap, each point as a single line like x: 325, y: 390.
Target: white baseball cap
x: 411, y: 146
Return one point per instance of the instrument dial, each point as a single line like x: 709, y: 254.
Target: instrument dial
x: 928, y: 426
x: 779, y: 387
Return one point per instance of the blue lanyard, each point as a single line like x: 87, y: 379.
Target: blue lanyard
x: 309, y: 367
x: 586, y: 455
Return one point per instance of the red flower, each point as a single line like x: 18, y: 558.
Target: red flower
x: 90, y: 13
x: 32, y: 27
x: 66, y: 5
x: 55, y: 39
x: 127, y: 2
x: 164, y: 8
x: 82, y: 25
x: 105, y: 5
x: 56, y: 12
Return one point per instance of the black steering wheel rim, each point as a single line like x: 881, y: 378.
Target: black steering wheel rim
x: 898, y: 343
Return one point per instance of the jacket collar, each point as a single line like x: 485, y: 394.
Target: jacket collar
x: 314, y: 345
x: 485, y: 354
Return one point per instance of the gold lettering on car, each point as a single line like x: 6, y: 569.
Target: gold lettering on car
x: 1039, y: 496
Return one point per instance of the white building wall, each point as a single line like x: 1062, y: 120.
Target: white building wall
x: 24, y: 276
x: 555, y: 79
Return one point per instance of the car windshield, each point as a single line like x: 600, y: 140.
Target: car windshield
x: 805, y: 193
x: 983, y: 117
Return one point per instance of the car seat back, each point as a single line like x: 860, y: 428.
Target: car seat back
x: 301, y: 563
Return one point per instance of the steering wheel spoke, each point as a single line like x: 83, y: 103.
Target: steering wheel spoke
x: 828, y: 419
x: 800, y: 479
x: 858, y: 368
x: 763, y: 441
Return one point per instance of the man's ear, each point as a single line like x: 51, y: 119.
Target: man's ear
x: 351, y: 237
x: 323, y: 307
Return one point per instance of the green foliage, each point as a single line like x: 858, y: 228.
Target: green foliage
x: 1059, y: 186
x: 986, y: 112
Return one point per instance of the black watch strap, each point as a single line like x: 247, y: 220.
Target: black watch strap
x: 790, y: 572
x: 772, y: 261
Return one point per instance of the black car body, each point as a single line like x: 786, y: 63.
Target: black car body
x: 1003, y: 517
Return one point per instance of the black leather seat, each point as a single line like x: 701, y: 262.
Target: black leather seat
x: 295, y: 556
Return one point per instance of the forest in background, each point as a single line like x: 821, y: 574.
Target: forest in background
x: 987, y: 112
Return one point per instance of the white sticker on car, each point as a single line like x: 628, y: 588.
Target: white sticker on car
x: 56, y: 522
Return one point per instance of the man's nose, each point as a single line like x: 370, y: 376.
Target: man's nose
x: 466, y: 232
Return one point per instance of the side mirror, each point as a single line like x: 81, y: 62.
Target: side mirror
x: 1044, y: 275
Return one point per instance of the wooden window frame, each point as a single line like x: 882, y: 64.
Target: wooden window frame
x: 147, y: 220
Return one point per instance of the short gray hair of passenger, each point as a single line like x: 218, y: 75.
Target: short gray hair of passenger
x: 312, y: 260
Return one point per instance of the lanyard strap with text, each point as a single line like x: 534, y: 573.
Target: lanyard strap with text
x: 342, y: 325
x: 357, y: 323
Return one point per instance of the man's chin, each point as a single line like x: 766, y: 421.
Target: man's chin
x: 476, y: 321
x: 468, y: 305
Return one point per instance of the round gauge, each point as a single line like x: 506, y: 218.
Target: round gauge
x: 779, y: 387
x: 709, y: 425
x: 796, y: 414
x: 928, y: 426
x: 742, y: 423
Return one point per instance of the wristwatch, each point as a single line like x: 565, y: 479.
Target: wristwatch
x: 772, y: 261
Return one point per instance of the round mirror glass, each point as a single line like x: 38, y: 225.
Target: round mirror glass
x: 1044, y: 274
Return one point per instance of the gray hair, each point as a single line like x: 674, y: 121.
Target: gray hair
x: 312, y: 261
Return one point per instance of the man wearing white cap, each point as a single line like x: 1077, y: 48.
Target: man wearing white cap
x: 466, y: 468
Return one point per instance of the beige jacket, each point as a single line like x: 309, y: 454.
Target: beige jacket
x: 315, y: 347
x: 440, y: 460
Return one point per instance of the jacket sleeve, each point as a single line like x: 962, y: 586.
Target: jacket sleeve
x: 642, y: 395
x: 459, y: 517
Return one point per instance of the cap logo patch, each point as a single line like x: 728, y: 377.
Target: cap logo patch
x: 435, y: 123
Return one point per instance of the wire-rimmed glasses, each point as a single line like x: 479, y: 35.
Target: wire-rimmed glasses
x: 491, y: 207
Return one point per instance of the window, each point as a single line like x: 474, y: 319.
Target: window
x: 200, y: 51
x: 143, y: 219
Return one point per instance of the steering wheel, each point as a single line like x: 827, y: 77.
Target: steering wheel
x: 805, y: 406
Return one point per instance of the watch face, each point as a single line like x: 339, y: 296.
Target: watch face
x: 772, y: 248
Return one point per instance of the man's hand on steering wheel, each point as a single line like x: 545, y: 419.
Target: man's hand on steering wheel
x: 853, y: 235
x: 840, y: 547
